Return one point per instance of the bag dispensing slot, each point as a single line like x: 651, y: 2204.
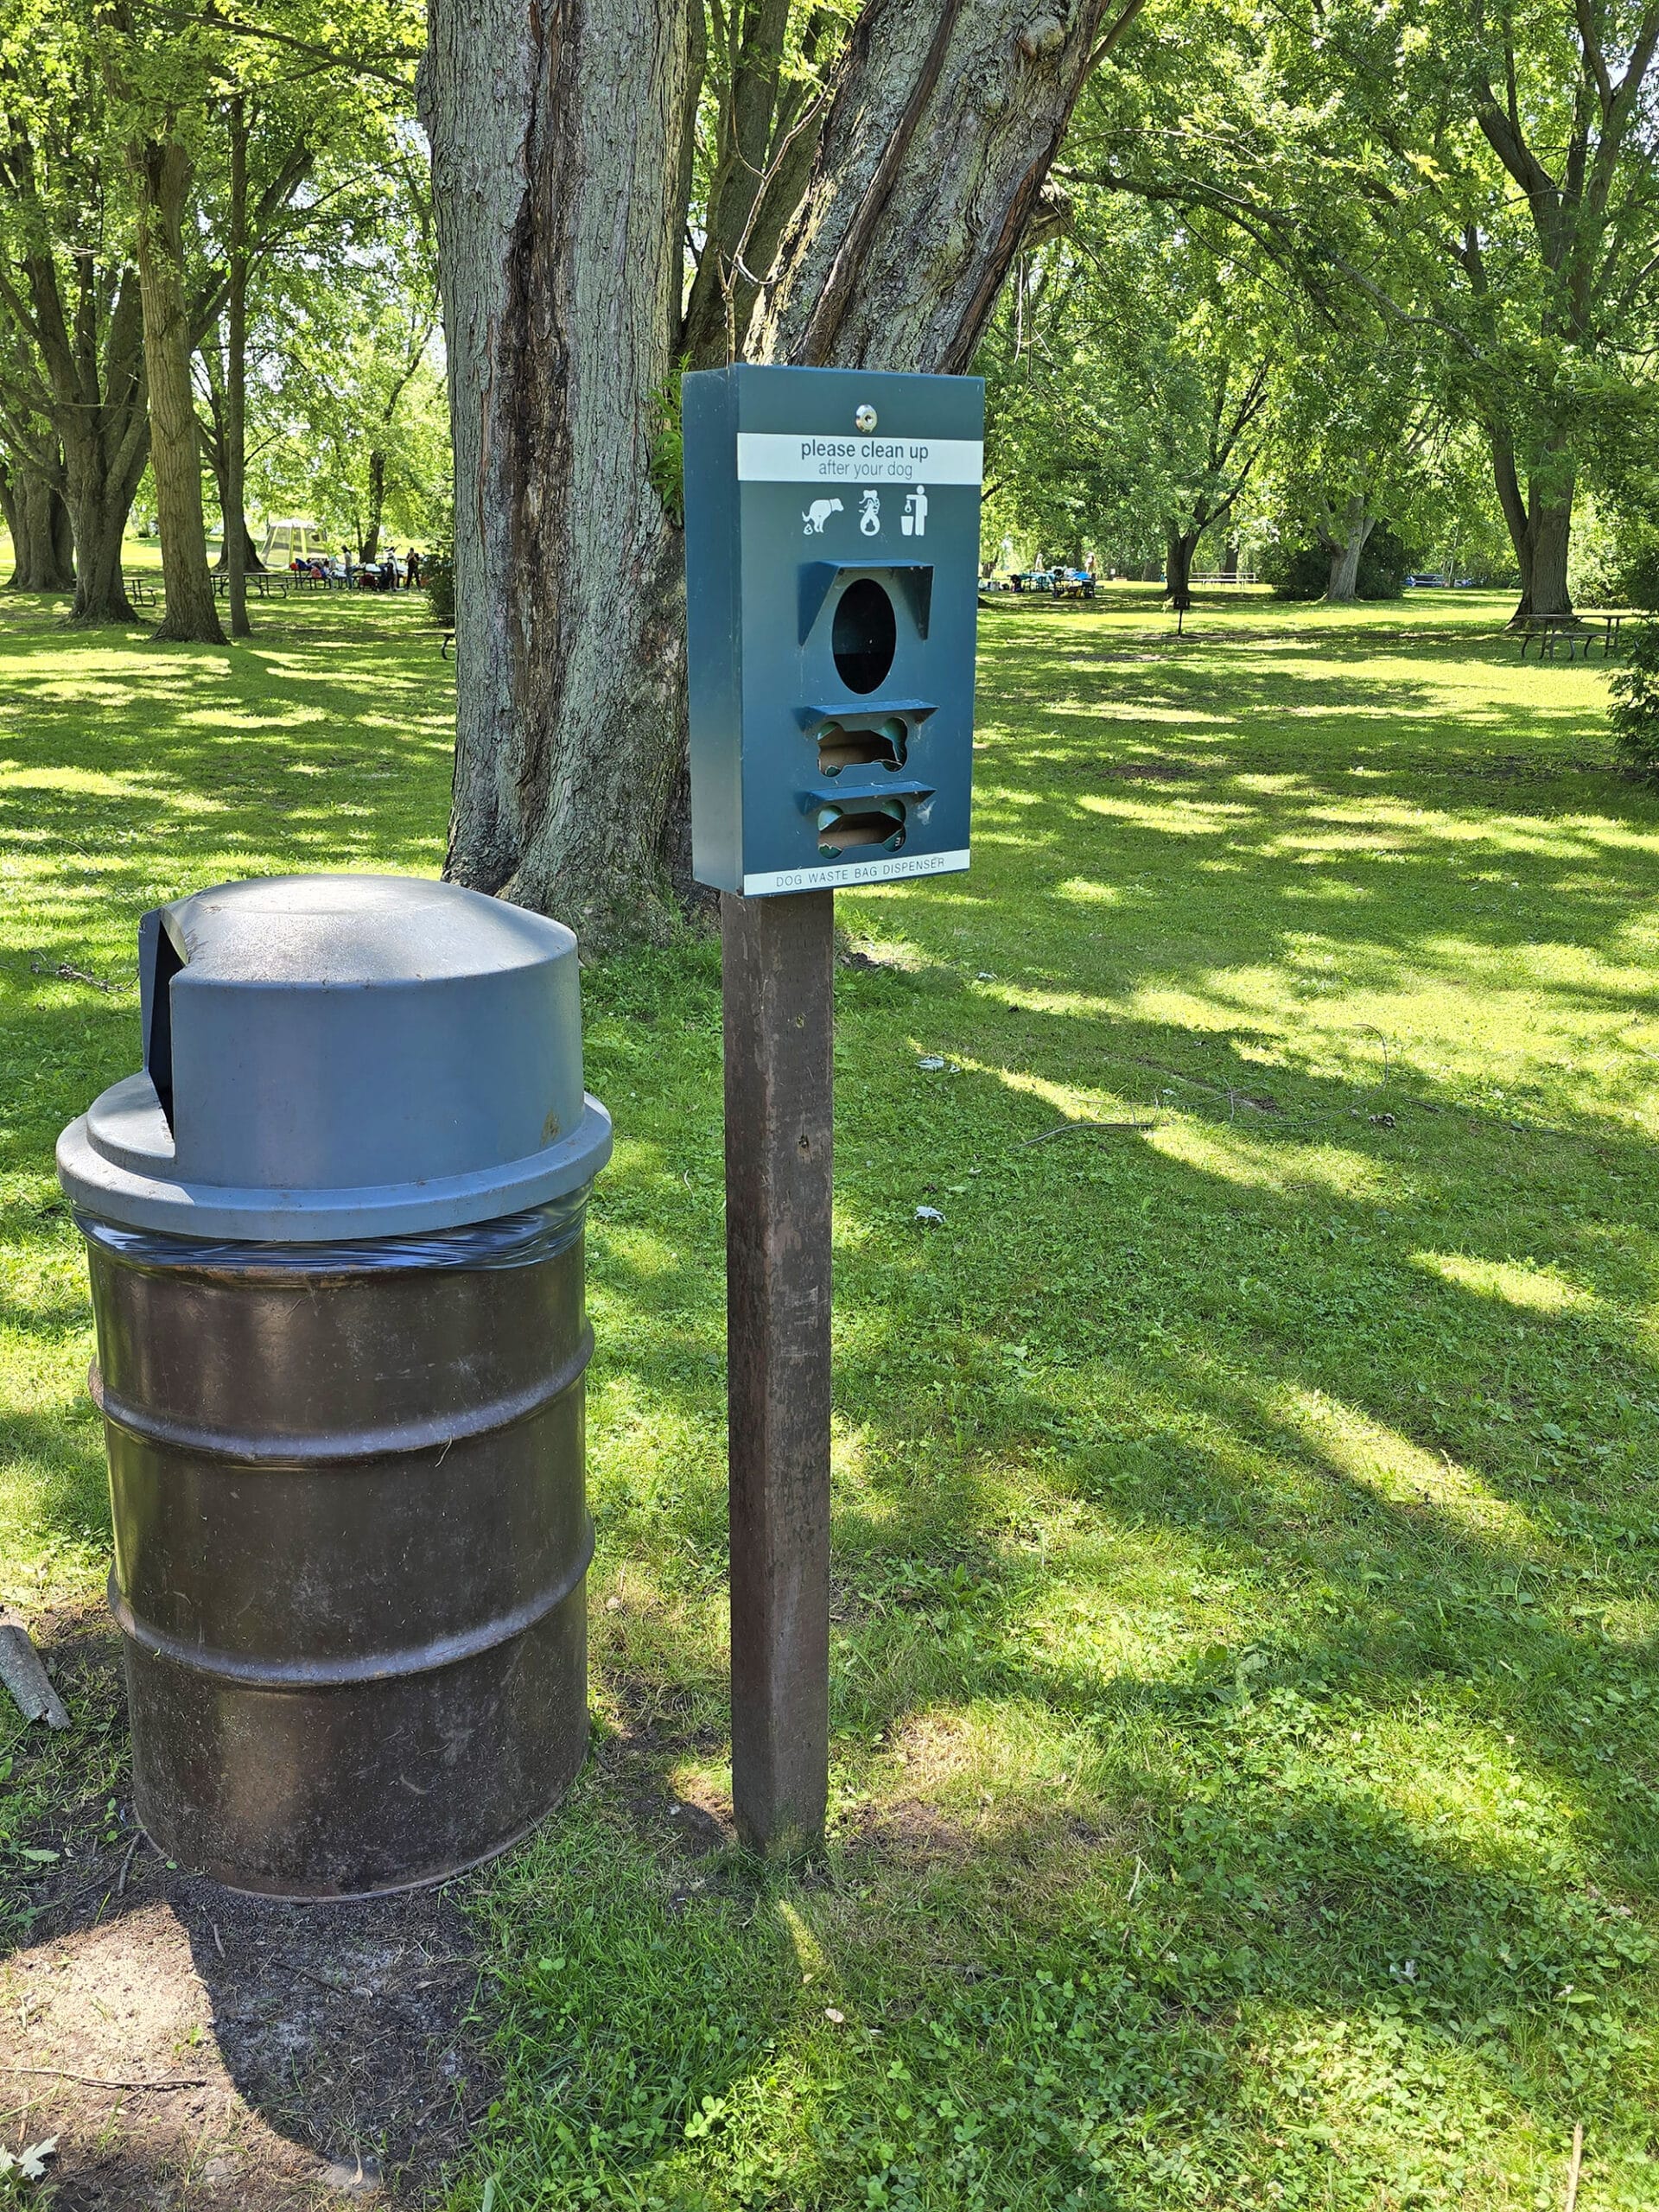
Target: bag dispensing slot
x: 885, y: 744
x: 864, y: 823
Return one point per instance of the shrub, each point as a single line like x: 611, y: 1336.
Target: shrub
x: 1303, y: 571
x: 438, y: 573
x: 1635, y: 709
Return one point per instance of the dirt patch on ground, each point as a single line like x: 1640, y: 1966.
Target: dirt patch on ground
x: 192, y: 2048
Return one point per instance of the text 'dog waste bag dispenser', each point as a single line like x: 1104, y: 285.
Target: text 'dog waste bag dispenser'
x: 335, y: 1238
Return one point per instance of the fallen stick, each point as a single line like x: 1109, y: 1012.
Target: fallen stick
x: 68, y: 974
x: 26, y: 1678
x: 97, y: 2081
x: 1066, y: 1128
x: 126, y: 1864
x: 1575, y: 2166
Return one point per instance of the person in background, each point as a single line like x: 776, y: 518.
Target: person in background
x: 411, y: 569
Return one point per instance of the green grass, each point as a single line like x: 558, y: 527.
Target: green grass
x: 1244, y: 1757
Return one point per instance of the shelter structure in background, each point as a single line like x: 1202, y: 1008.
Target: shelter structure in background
x: 294, y: 538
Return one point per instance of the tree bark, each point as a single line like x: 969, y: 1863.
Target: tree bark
x: 1180, y: 544
x: 560, y: 260
x: 162, y: 168
x: 93, y: 362
x: 1357, y: 527
x: 42, y: 542
x: 235, y: 539
x: 371, y: 545
x: 1540, y: 524
x: 214, y: 434
x: 558, y: 161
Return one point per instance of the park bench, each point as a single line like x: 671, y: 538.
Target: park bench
x: 141, y: 590
x: 448, y: 640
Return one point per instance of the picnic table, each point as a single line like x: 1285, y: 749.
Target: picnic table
x: 140, y: 589
x: 263, y: 581
x: 1612, y: 620
x: 1576, y: 632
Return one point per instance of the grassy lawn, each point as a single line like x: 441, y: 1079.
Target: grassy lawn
x: 1245, y: 1788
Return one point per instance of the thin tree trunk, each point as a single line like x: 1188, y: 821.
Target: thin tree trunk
x: 557, y: 163
x: 1178, y: 566
x: 1357, y: 527
x: 12, y: 514
x: 162, y: 170
x: 235, y: 540
x: 376, y: 505
x: 63, y: 542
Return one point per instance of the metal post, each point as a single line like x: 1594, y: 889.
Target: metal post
x: 780, y: 1021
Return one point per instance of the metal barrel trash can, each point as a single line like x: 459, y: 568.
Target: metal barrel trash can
x: 334, y: 1230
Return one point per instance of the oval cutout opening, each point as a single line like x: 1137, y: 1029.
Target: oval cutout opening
x: 865, y: 635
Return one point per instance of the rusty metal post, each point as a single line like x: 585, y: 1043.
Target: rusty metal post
x: 779, y: 1021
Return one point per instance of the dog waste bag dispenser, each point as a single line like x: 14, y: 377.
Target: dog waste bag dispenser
x: 334, y: 1230
x: 832, y: 560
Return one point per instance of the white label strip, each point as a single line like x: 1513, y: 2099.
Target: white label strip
x: 846, y: 871
x: 775, y: 457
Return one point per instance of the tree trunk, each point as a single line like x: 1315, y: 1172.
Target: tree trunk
x: 251, y: 562
x: 42, y: 546
x: 560, y: 259
x: 235, y: 539
x: 1549, y: 519
x: 1540, y: 526
x: 1178, y: 566
x: 558, y: 160
x: 162, y: 171
x: 1357, y: 527
x: 10, y: 514
x: 376, y: 505
x: 95, y: 368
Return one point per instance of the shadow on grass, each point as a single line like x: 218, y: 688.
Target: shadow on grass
x: 1245, y: 1527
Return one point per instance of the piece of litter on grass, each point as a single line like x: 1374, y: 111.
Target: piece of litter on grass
x: 25, y: 1677
x: 833, y: 2012
x: 931, y: 1062
x: 30, y: 2162
x: 929, y: 1217
x: 984, y: 977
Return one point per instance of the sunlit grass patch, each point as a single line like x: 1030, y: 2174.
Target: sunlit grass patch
x: 1245, y: 1783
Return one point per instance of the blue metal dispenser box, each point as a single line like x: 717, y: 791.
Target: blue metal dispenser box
x: 831, y: 570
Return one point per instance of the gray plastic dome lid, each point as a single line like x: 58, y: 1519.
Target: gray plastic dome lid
x: 343, y: 1056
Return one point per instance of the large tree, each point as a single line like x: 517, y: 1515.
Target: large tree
x: 1485, y: 176
x: 151, y: 161
x: 70, y: 327
x: 1130, y: 374
x: 863, y: 206
x: 32, y: 506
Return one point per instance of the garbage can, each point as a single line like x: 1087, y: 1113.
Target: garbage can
x: 334, y: 1230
